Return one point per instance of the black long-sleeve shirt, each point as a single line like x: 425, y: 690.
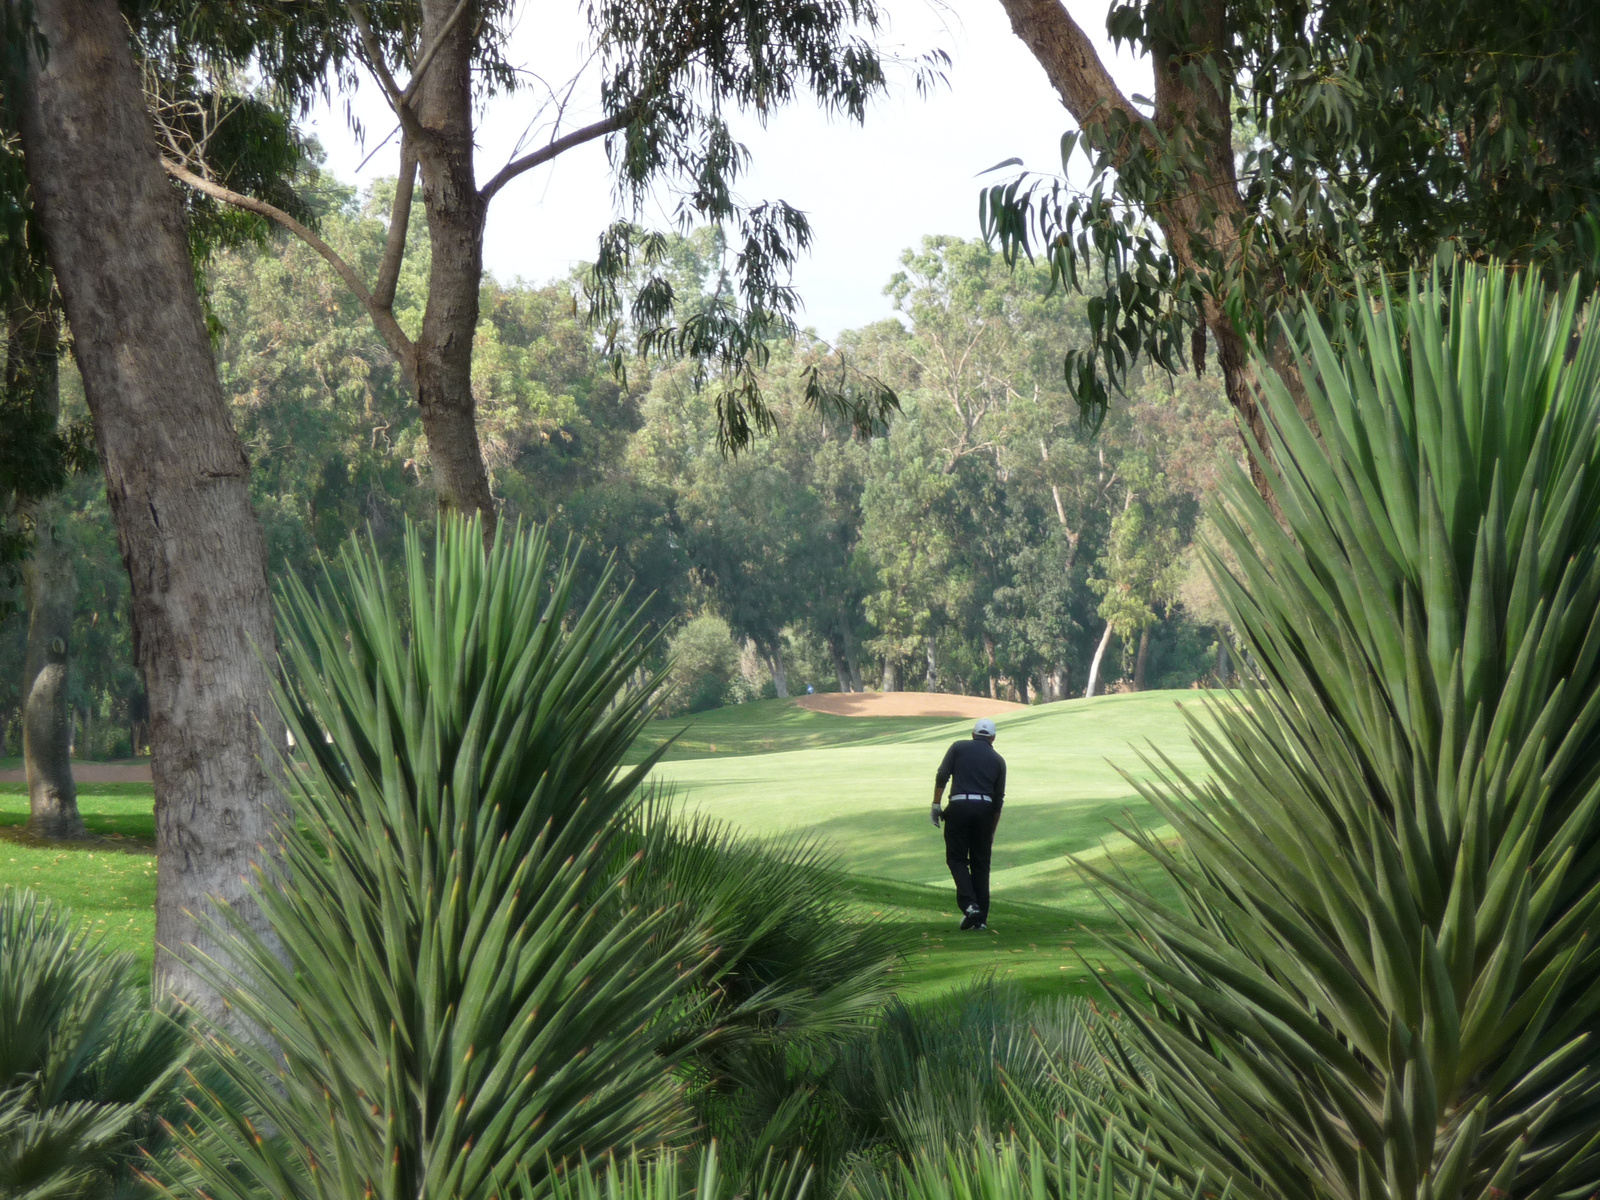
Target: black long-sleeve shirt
x: 977, y: 769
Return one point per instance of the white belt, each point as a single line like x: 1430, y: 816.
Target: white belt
x: 973, y: 796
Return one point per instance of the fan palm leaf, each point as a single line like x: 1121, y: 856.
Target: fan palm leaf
x: 87, y: 1068
x: 1383, y: 980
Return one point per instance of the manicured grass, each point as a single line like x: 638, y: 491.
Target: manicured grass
x: 108, y: 881
x: 1044, y: 949
x: 861, y: 785
x: 869, y: 801
x: 768, y: 727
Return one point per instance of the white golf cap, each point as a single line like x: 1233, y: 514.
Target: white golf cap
x: 984, y: 728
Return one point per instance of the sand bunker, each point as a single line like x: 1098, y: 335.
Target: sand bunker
x: 87, y: 772
x: 906, y: 704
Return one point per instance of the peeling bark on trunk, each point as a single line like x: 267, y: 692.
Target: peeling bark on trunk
x: 455, y: 212
x: 176, y: 476
x: 1094, y: 666
x: 52, y: 590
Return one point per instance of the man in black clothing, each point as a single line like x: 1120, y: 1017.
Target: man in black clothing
x: 971, y: 817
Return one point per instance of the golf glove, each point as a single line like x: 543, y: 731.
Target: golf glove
x: 936, y: 814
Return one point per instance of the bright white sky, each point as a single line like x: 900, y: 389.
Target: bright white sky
x: 870, y: 191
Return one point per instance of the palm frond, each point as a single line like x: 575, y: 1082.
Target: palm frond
x: 87, y: 1068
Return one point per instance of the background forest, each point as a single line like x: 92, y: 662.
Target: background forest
x: 985, y: 542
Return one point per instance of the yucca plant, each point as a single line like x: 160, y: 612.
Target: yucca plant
x: 795, y: 982
x: 87, y: 1068
x: 1384, y: 980
x: 670, y: 1175
x: 1080, y: 1166
x: 452, y: 996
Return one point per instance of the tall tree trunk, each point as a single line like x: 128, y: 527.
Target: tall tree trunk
x: 1143, y: 656
x: 52, y: 590
x: 931, y: 678
x: 988, y: 657
x: 1060, y: 682
x: 780, y: 677
x: 850, y: 656
x: 33, y: 381
x: 891, y: 675
x: 455, y: 212
x: 1094, y: 666
x: 1224, y: 667
x: 176, y: 476
x: 841, y: 668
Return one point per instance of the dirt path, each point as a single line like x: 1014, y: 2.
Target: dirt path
x: 89, y: 772
x: 906, y: 704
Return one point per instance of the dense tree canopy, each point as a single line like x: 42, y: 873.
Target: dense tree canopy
x: 970, y: 547
x: 1303, y: 147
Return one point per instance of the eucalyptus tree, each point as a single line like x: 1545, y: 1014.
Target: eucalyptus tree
x: 1302, y: 147
x: 671, y: 71
x: 176, y: 477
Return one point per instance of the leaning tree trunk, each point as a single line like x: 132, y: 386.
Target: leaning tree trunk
x: 1203, y: 207
x: 780, y: 677
x: 52, y: 592
x: 456, y: 212
x: 1094, y: 665
x: 176, y: 476
x: 1142, y: 658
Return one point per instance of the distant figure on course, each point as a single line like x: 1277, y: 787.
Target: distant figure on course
x: 971, y: 817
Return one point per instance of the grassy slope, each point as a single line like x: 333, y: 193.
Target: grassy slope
x: 862, y: 784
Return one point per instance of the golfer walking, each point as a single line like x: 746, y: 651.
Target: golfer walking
x: 970, y: 818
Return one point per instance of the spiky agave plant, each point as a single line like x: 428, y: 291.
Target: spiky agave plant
x: 1384, y: 979
x: 450, y: 998
x: 87, y: 1067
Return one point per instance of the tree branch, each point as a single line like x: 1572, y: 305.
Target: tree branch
x: 394, y: 247
x: 1070, y: 61
x: 382, y: 316
x: 553, y: 150
x: 399, y: 100
x: 420, y: 68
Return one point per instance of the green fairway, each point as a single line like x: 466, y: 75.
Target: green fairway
x: 868, y: 801
x: 861, y: 785
x: 768, y: 727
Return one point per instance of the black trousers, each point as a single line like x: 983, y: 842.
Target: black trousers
x: 968, y: 842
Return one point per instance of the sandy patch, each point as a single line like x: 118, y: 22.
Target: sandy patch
x: 87, y: 772
x: 906, y: 704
